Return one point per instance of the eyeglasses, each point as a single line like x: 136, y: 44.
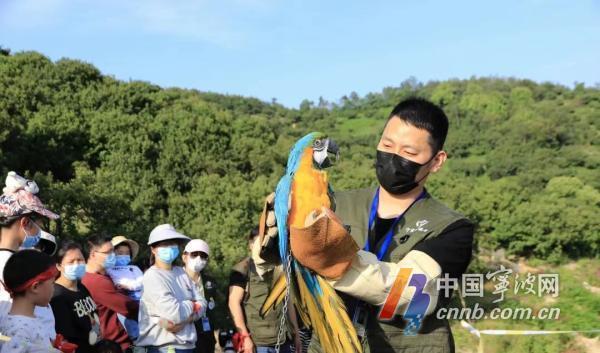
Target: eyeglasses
x: 105, y: 252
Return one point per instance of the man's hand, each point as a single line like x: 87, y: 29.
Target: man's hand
x: 323, y: 245
x: 248, y: 346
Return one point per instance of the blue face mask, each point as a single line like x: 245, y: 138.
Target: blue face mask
x: 110, y: 261
x: 74, y: 272
x: 167, y: 254
x: 31, y: 240
x: 123, y: 260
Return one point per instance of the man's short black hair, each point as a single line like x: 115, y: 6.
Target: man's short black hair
x: 23, y: 266
x: 425, y: 115
x: 97, y: 241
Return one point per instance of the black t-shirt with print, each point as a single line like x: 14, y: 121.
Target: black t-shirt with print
x: 451, y: 249
x: 76, y: 316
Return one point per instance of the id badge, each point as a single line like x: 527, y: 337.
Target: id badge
x: 205, y: 324
x: 359, y: 320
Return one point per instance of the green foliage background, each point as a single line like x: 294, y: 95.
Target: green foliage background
x: 121, y: 157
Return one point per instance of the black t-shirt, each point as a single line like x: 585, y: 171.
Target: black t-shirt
x: 76, y: 316
x: 380, y: 230
x: 451, y: 249
x: 238, y: 279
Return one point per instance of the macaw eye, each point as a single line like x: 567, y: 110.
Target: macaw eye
x: 318, y: 143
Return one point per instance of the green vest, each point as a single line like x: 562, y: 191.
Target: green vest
x: 263, y: 331
x: 426, y: 219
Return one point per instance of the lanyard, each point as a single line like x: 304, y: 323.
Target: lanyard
x: 390, y: 234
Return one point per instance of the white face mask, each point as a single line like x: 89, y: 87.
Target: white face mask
x: 196, y: 264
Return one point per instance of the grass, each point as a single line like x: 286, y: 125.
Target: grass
x: 579, y: 310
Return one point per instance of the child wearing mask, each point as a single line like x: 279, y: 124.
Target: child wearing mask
x: 109, y: 301
x: 170, y: 301
x: 46, y: 244
x: 195, y: 257
x: 21, y: 215
x: 29, y: 279
x: 127, y: 278
x: 73, y: 306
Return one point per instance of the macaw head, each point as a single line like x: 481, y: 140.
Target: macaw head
x: 321, y: 147
x: 324, y: 149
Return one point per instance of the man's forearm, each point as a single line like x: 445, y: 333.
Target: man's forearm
x: 372, y: 281
x: 238, y: 316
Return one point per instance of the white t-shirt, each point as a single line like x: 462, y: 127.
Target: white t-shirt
x: 45, y: 314
x: 28, y: 335
x: 128, y: 278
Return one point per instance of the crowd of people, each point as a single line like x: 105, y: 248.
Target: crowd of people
x: 72, y: 297
x: 60, y: 296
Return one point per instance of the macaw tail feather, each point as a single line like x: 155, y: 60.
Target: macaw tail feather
x: 337, y: 318
x: 275, y: 296
x: 326, y: 314
x: 314, y: 316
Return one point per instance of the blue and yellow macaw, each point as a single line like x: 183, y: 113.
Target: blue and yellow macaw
x: 303, y: 189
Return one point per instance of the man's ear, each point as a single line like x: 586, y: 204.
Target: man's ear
x: 439, y: 161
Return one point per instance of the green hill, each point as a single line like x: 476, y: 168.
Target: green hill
x: 122, y: 157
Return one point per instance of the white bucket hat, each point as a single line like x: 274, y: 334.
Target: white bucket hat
x: 165, y: 232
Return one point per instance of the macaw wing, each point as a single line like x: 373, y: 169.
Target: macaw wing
x: 281, y: 205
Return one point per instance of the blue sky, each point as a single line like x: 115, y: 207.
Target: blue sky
x: 292, y: 50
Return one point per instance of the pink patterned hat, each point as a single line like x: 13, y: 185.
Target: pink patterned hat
x: 19, y: 198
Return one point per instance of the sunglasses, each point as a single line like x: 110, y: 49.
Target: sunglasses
x: 195, y: 254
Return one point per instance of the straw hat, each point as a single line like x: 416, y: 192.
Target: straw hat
x: 133, y: 245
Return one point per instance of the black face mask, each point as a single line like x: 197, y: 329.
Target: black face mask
x: 397, y: 174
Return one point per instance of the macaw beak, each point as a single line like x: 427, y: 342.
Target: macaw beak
x: 332, y: 148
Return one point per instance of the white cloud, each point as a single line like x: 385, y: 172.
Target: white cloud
x: 187, y: 19
x: 30, y: 14
x: 218, y: 22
